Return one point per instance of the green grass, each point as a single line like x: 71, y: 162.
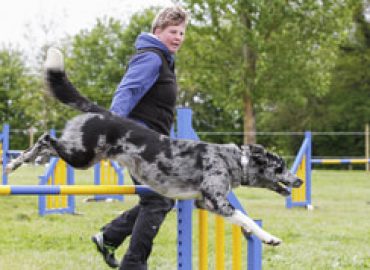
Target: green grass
x: 336, y: 235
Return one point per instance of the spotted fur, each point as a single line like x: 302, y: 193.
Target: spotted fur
x: 174, y: 168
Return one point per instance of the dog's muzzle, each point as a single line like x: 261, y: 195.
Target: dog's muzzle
x: 290, y: 180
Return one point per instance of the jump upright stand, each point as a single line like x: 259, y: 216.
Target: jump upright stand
x: 301, y: 197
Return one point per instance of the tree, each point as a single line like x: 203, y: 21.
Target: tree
x: 346, y: 107
x: 16, y: 81
x: 11, y: 72
x: 253, y: 57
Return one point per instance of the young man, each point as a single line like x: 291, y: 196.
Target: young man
x: 146, y: 94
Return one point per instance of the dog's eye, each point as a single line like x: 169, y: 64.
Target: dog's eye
x: 279, y: 170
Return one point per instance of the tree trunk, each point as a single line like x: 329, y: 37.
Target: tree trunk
x: 249, y: 121
x: 249, y: 60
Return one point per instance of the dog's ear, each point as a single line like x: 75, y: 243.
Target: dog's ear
x: 257, y: 148
x: 258, y: 153
x: 276, y: 158
x: 263, y: 157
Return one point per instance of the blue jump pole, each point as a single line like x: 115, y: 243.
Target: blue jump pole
x: 5, y: 145
x: 184, y: 207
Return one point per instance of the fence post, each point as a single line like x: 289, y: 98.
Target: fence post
x: 308, y: 136
x: 5, y: 149
x: 367, y: 146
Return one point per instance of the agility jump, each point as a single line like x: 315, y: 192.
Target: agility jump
x: 254, y: 244
x: 106, y: 173
x: 302, y: 167
x: 184, y: 214
x: 4, y: 149
x: 301, y: 196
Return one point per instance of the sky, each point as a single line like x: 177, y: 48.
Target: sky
x: 22, y: 21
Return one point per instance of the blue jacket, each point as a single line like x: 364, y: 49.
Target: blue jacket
x: 143, y: 71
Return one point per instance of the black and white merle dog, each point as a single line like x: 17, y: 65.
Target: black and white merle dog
x: 173, y: 168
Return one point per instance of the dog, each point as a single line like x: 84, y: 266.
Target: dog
x: 175, y: 168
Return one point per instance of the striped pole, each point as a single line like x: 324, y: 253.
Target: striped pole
x: 340, y: 161
x: 73, y: 190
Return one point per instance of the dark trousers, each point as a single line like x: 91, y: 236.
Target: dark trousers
x: 142, y: 222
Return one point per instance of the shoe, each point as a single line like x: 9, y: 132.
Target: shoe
x: 106, y: 250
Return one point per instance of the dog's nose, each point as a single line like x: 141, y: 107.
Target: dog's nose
x: 297, y: 183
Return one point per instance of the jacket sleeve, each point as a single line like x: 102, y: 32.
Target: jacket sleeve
x: 143, y: 71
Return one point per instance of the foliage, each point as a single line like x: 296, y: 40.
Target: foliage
x: 267, y: 53
x: 16, y: 84
x: 12, y: 79
x: 346, y: 106
x: 291, y: 59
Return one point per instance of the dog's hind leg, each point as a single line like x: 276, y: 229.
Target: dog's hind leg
x: 75, y: 153
x: 215, y: 200
x: 40, y: 149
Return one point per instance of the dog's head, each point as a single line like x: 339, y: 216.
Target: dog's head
x: 267, y: 170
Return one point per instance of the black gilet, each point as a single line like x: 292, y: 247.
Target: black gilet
x: 157, y: 107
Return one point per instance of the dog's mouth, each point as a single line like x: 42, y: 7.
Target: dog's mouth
x: 282, y: 189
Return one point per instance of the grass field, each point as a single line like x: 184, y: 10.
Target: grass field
x: 336, y: 235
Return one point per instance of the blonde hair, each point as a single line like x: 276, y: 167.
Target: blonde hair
x: 174, y: 15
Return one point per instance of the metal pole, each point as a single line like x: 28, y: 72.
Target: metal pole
x: 5, y: 145
x: 32, y: 135
x: 367, y: 146
x: 184, y: 207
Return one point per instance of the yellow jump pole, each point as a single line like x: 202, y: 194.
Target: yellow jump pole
x: 59, y: 177
x: 203, y: 239
x: 107, y: 173
x: 220, y: 243
x: 237, y: 248
x: 299, y: 194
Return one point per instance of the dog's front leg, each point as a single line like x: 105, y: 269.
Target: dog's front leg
x: 246, y: 222
x: 214, y: 200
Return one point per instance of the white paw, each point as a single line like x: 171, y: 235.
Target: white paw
x: 9, y: 168
x: 272, y: 240
x: 246, y: 232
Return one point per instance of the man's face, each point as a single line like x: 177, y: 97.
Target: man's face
x: 172, y: 36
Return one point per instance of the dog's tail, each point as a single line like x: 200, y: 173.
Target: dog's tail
x: 61, y: 88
